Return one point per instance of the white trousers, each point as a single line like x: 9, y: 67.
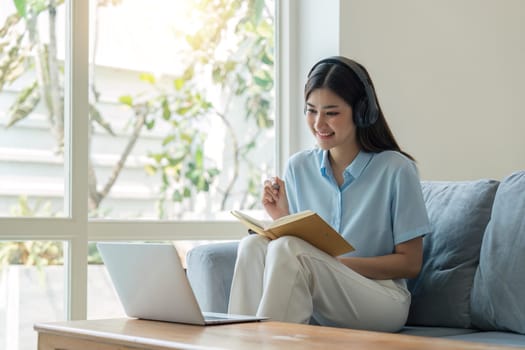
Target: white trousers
x: 289, y: 280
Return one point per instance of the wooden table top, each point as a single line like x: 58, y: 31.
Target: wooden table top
x: 267, y: 334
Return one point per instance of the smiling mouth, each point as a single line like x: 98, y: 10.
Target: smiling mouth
x: 324, y: 134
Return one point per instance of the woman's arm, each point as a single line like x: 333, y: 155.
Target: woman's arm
x: 405, y: 262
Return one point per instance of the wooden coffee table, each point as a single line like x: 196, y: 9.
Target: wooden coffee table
x: 127, y: 334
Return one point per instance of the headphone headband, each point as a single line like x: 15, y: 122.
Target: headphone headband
x: 366, y: 111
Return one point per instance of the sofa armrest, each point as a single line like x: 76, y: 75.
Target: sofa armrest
x: 210, y: 272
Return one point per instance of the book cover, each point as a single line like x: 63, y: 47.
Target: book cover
x: 306, y: 225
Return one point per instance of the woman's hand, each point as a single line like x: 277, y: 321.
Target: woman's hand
x: 405, y: 262
x: 274, y: 198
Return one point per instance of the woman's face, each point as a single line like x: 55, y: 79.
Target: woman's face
x: 330, y: 120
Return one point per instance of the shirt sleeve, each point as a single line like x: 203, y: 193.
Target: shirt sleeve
x: 409, y: 213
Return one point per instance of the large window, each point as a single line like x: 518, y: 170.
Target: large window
x: 152, y: 127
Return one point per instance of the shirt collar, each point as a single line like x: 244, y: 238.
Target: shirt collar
x: 354, y: 169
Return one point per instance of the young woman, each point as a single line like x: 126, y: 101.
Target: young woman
x: 360, y: 182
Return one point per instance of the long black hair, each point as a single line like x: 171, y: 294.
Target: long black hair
x: 345, y: 83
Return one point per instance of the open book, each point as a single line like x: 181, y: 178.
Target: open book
x: 306, y: 225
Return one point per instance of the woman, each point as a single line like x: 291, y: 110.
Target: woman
x: 360, y: 182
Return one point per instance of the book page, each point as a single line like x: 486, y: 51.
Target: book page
x: 289, y: 218
x: 250, y: 219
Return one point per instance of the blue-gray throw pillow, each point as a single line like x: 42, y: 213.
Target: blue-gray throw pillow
x: 498, y: 294
x: 459, y: 212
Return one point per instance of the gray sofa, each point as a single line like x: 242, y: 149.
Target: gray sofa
x: 472, y: 283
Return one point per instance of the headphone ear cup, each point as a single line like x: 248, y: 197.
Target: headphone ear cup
x: 360, y: 113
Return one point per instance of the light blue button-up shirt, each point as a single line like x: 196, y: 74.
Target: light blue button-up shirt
x: 379, y: 205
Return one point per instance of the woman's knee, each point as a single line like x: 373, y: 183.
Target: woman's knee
x: 252, y: 244
x: 287, y: 246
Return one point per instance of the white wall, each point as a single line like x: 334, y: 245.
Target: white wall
x: 449, y: 75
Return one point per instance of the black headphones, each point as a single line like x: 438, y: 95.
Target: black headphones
x: 366, y: 110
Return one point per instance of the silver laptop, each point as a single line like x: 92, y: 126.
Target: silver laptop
x: 151, y: 284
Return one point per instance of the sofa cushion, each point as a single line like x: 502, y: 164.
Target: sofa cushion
x: 437, y: 332
x: 498, y: 294
x: 210, y: 272
x: 498, y: 338
x: 459, y: 212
